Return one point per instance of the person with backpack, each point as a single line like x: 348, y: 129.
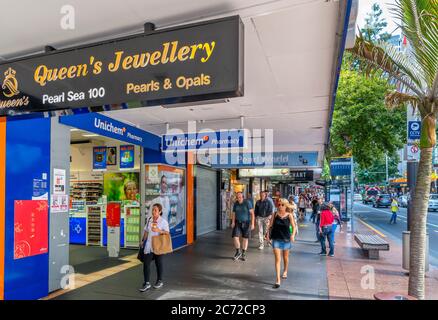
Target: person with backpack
x: 326, y: 230
x: 243, y: 221
x: 263, y: 212
x: 282, y: 233
x: 394, y: 210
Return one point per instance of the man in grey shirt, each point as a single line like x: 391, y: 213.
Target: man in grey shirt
x: 242, y: 222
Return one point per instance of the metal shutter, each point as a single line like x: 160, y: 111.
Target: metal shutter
x: 206, y: 200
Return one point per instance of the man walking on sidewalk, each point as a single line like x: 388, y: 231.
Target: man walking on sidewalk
x: 394, y: 210
x: 263, y: 212
x: 242, y: 222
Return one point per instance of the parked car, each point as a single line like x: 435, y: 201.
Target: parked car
x: 433, y: 202
x: 357, y: 197
x: 382, y: 200
x: 403, y: 201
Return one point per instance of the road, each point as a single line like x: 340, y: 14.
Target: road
x: 378, y: 218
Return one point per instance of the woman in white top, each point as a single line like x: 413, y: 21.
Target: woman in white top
x: 155, y: 226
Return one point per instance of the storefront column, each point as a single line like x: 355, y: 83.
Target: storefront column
x: 190, y: 198
x: 2, y: 203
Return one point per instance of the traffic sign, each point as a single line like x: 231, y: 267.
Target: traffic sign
x: 414, y: 130
x: 413, y: 152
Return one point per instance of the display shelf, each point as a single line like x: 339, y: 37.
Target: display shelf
x: 87, y: 191
x: 132, y: 225
x: 94, y: 225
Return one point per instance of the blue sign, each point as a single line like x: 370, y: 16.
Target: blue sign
x: 204, y: 140
x: 340, y: 167
x: 127, y: 157
x: 414, y: 130
x: 108, y: 127
x: 99, y: 158
x: 270, y: 159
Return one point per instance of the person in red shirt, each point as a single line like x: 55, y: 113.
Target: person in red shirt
x: 326, y: 230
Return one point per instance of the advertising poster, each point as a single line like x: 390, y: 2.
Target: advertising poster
x: 113, y: 212
x: 122, y: 186
x: 99, y: 158
x: 40, y: 190
x: 127, y: 157
x: 166, y: 185
x: 30, y: 228
x: 59, y: 203
x: 59, y: 181
x: 111, y: 156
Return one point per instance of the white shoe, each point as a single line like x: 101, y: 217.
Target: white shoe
x: 261, y: 247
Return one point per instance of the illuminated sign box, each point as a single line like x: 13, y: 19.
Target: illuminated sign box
x: 202, y: 61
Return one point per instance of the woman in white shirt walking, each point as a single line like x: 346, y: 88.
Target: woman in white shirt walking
x: 155, y: 226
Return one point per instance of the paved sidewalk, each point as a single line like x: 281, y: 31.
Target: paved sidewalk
x: 344, y: 270
x: 206, y: 270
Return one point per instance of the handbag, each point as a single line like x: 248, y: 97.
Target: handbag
x: 140, y: 255
x: 162, y: 244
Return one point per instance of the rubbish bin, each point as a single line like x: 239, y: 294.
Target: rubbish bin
x: 406, y: 240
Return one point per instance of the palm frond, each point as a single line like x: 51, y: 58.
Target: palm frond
x: 419, y: 23
x: 395, y: 99
x: 376, y: 58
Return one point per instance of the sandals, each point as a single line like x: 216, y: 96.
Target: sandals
x: 284, y: 276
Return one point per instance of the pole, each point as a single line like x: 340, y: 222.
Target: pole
x: 387, y: 176
x: 352, y: 194
x: 412, y: 180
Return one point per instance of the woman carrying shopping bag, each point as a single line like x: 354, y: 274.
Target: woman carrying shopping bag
x: 155, y: 243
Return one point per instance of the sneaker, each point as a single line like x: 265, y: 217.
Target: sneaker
x: 323, y: 253
x: 331, y: 254
x: 237, y: 255
x: 146, y: 287
x: 243, y: 257
x: 159, y: 284
x: 261, y: 247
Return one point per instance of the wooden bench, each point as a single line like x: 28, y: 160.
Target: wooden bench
x: 371, y: 244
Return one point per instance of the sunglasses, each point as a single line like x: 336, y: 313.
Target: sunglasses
x: 281, y: 205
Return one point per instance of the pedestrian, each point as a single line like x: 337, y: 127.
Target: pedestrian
x: 315, y: 209
x: 263, y: 212
x: 155, y: 226
x: 337, y: 220
x: 302, y: 207
x: 269, y: 196
x: 294, y: 210
x: 242, y: 222
x: 394, y: 210
x: 282, y: 233
x: 326, y: 230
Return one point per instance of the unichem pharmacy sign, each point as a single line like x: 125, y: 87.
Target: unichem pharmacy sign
x: 105, y: 126
x: 204, y: 140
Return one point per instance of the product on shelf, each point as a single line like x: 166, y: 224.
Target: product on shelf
x: 87, y: 191
x: 94, y: 225
x: 132, y: 226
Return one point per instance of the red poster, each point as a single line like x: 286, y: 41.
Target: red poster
x: 31, y: 231
x: 113, y: 211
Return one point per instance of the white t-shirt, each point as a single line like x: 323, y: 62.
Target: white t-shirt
x: 162, y: 224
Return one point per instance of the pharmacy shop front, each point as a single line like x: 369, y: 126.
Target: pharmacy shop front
x: 73, y: 177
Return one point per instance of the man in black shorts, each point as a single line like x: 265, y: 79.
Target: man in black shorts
x: 243, y: 221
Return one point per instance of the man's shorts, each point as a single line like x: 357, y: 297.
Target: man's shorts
x: 241, y: 228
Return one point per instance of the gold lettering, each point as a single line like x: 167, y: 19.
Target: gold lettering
x: 194, y: 48
x: 114, y: 66
x: 62, y: 72
x: 71, y: 71
x: 173, y: 52
x: 182, y: 54
x: 164, y: 58
x: 209, y: 50
x: 40, y: 75
x: 126, y: 64
x: 155, y: 58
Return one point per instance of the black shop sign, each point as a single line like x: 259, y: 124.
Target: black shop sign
x: 301, y: 175
x: 202, y: 61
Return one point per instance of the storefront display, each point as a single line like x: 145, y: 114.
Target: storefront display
x: 94, y: 225
x: 132, y: 227
x: 166, y: 185
x: 122, y: 186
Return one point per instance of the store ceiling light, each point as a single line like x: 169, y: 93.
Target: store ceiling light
x: 90, y: 135
x: 74, y: 129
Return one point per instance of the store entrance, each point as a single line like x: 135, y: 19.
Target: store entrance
x: 104, y: 174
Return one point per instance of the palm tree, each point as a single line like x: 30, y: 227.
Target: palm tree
x: 415, y: 71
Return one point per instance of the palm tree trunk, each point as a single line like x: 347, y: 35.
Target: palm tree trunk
x: 418, y: 225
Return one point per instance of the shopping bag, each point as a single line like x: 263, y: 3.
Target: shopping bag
x: 162, y: 244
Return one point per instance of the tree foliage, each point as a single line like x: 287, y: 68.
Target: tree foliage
x: 362, y: 125
x: 374, y: 25
x: 376, y: 172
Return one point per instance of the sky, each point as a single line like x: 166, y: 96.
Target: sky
x: 365, y: 7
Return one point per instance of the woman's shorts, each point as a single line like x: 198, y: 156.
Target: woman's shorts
x: 282, y: 245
